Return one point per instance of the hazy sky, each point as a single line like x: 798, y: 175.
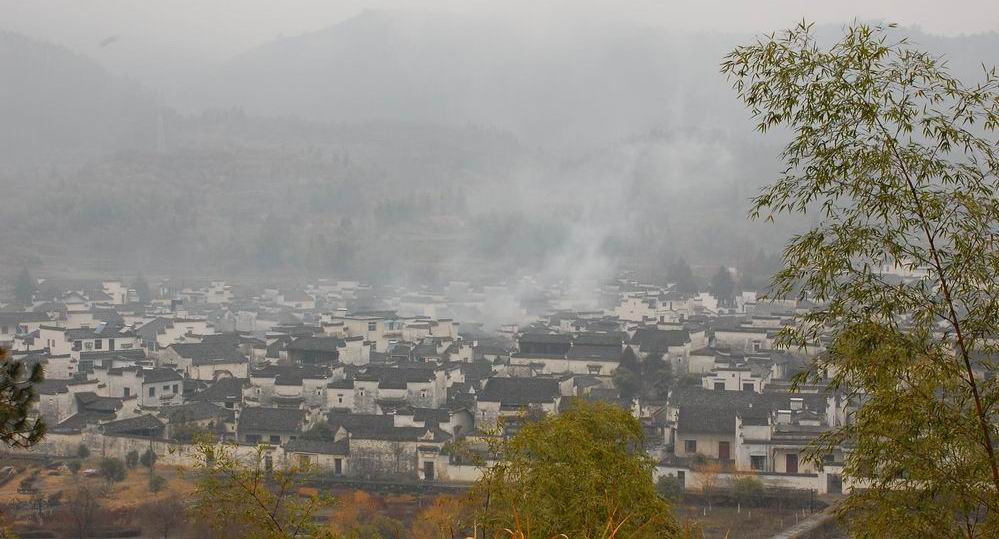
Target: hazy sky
x: 222, y: 27
x: 156, y: 39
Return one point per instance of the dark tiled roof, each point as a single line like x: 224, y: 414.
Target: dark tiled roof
x: 91, y: 402
x: 696, y: 419
x: 315, y: 344
x: 13, y: 319
x: 223, y: 390
x: 77, y: 422
x: 207, y: 354
x: 259, y: 418
x: 142, y: 423
x: 162, y: 374
x: 659, y: 340
x: 319, y: 447
x: 196, y: 411
x: 546, y: 338
x: 601, y: 353
x: 520, y: 391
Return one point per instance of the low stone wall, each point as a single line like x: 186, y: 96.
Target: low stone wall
x: 694, y: 479
x: 167, y: 452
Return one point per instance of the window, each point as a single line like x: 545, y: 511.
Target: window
x: 339, y: 398
x: 268, y: 463
x: 88, y: 345
x: 128, y: 392
x: 166, y: 387
x: 372, y: 326
x: 719, y: 386
x: 98, y: 344
x: 252, y: 438
x: 152, y: 392
x: 4, y: 330
x: 758, y: 462
x: 748, y: 387
x: 690, y: 446
x: 176, y: 387
x: 275, y: 439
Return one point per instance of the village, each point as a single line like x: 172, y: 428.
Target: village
x: 383, y: 385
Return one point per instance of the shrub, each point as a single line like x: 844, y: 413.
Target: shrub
x: 670, y: 487
x: 157, y: 483
x: 132, y: 459
x: 83, y: 451
x: 747, y: 490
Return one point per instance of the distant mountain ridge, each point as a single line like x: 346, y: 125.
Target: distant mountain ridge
x: 572, y: 86
x: 58, y: 106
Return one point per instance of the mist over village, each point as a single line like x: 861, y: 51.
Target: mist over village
x: 479, y: 269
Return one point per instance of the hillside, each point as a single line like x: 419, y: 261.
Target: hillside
x: 60, y: 107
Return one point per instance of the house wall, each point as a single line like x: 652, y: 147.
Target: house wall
x: 164, y: 394
x: 373, y: 459
x: 707, y: 444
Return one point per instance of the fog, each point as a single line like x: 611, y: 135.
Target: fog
x: 398, y: 142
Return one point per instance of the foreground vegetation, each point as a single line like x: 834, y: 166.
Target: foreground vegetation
x: 898, y: 159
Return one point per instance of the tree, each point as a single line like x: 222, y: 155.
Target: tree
x: 24, y: 287
x: 575, y: 474
x: 627, y: 376
x: 747, y: 490
x: 670, y: 487
x: 83, y: 451
x: 707, y: 479
x: 132, y: 459
x: 156, y: 483
x: 163, y: 517
x: 722, y: 285
x: 657, y: 377
x: 112, y: 470
x: 148, y: 459
x: 141, y: 288
x: 17, y: 396
x: 446, y: 518
x: 74, y: 467
x: 233, y: 491
x: 682, y: 277
x: 900, y: 160
x: 82, y: 510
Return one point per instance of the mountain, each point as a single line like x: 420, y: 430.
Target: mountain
x: 57, y: 106
x: 575, y: 86
x: 572, y: 85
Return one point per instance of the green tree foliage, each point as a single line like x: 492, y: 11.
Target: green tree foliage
x: 112, y: 470
x: 575, y: 474
x: 148, y: 459
x: 241, y: 497
x: 156, y: 483
x: 74, y: 467
x: 722, y: 285
x: 747, y: 490
x: 899, y: 160
x: 657, y: 377
x: 627, y: 376
x: 17, y: 395
x: 132, y: 459
x: 82, y: 451
x: 670, y: 487
x: 682, y: 277
x: 24, y: 287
